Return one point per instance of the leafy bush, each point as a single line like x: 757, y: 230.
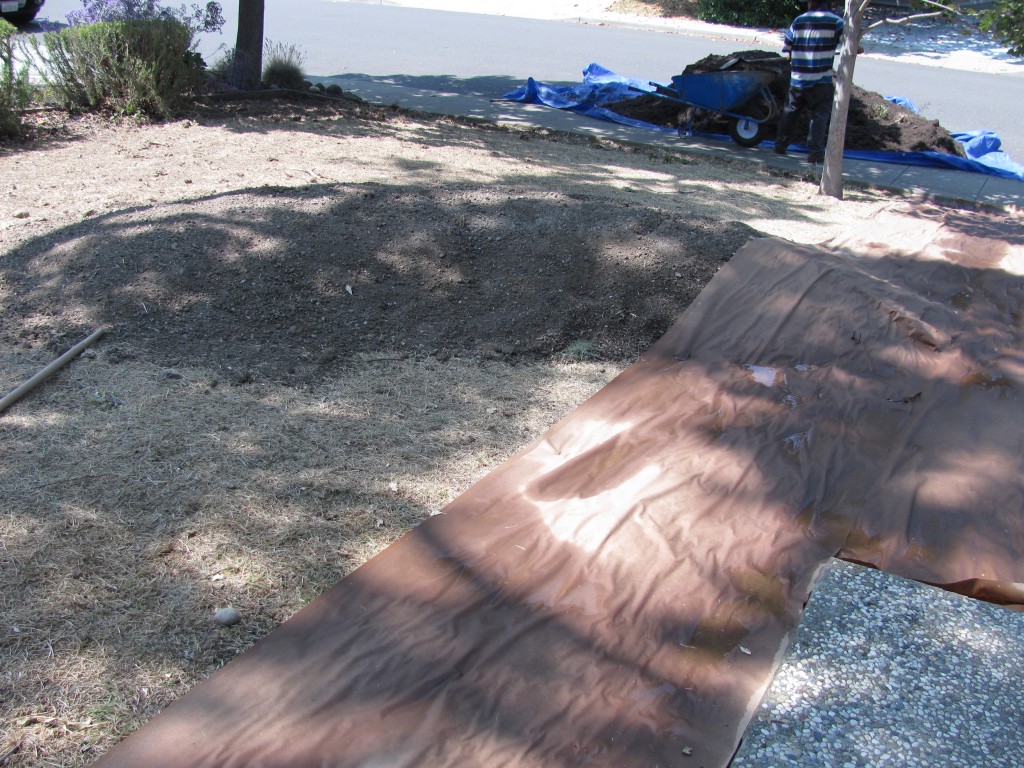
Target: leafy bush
x: 209, y: 18
x: 130, y: 67
x: 282, y: 66
x: 15, y: 92
x: 750, y: 13
x: 1006, y: 23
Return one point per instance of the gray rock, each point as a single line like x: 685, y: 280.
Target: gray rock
x: 227, y: 616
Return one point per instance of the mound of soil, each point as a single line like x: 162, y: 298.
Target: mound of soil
x: 874, y: 123
x: 286, y: 283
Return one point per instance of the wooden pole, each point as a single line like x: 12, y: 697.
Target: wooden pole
x: 14, y: 396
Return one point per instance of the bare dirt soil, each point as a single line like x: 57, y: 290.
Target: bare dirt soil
x: 874, y: 123
x: 306, y: 276
x: 325, y: 321
x: 285, y: 279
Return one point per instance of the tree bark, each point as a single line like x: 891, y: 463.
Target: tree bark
x: 832, y: 171
x: 249, y: 44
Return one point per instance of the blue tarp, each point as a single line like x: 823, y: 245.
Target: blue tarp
x: 601, y: 86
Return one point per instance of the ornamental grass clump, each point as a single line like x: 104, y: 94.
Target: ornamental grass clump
x: 15, y: 91
x: 283, y: 66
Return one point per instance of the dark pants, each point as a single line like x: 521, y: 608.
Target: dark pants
x: 816, y: 100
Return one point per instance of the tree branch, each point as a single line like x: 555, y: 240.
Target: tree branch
x: 904, y: 20
x: 947, y: 8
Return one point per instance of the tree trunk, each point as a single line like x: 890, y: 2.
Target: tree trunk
x: 249, y: 44
x: 832, y: 172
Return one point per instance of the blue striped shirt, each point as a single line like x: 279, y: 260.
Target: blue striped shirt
x: 811, y: 41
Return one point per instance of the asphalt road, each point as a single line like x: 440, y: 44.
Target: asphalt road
x: 490, y: 55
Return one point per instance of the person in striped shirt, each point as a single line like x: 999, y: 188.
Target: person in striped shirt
x: 811, y: 42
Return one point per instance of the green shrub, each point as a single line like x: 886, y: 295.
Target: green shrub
x: 1006, y: 23
x: 129, y: 67
x: 750, y: 13
x: 282, y: 66
x: 15, y: 92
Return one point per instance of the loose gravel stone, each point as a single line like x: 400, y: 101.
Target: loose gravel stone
x: 889, y: 672
x: 227, y: 616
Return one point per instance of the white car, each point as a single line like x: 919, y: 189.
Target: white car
x: 20, y: 11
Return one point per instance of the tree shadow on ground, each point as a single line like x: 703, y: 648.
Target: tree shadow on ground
x: 861, y: 410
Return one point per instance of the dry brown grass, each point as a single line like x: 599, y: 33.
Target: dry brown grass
x: 138, y: 500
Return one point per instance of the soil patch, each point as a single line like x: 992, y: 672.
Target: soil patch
x: 286, y: 283
x: 874, y: 123
x: 287, y: 274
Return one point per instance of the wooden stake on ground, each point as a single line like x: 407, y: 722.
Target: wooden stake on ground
x: 14, y: 396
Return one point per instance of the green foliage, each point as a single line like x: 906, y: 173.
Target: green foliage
x: 225, y: 70
x: 15, y: 92
x: 1006, y: 23
x: 282, y: 66
x: 580, y: 351
x: 750, y: 13
x: 129, y: 67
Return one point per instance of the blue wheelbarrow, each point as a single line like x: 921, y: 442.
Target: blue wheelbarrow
x: 742, y: 96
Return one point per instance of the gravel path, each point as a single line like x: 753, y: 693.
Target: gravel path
x: 888, y: 672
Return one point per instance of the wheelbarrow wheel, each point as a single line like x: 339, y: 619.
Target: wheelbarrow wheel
x: 746, y: 132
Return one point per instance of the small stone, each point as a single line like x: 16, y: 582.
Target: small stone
x: 227, y: 616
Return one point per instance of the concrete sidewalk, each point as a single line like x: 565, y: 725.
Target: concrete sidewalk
x: 946, y: 185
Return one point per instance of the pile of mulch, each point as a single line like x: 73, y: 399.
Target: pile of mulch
x: 874, y: 123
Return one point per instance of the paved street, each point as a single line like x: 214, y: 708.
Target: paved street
x: 963, y: 83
